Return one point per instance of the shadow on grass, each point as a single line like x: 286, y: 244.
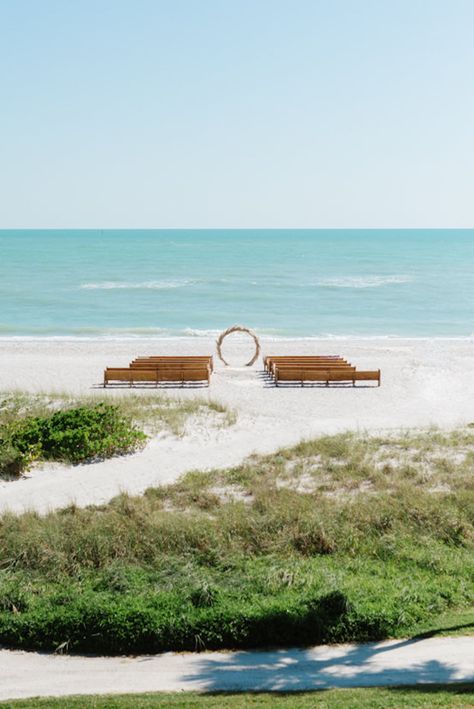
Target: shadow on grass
x: 455, y: 689
x: 444, y: 631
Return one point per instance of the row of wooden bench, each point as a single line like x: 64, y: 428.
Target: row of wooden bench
x: 320, y: 368
x: 159, y: 370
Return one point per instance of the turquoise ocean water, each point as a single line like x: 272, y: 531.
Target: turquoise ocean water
x: 284, y: 283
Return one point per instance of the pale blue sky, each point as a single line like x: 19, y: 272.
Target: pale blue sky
x: 250, y: 113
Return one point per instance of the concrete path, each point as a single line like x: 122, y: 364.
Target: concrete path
x: 395, y: 662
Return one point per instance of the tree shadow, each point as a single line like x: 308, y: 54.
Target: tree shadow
x: 441, y: 631
x: 458, y: 689
x: 384, y: 664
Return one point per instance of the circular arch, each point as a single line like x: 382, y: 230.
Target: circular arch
x: 238, y: 328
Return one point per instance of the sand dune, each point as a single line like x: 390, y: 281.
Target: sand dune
x: 424, y: 382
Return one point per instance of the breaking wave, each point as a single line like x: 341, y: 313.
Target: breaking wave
x: 361, y: 281
x: 144, y: 285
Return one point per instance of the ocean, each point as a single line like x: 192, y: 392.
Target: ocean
x: 282, y: 283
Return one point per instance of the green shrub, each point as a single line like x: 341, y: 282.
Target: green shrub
x: 12, y: 461
x: 73, y: 435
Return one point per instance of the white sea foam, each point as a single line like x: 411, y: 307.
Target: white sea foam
x: 195, y: 332
x: 144, y: 285
x: 362, y: 281
x: 179, y: 336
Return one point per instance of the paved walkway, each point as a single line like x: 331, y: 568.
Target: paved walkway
x: 395, y: 662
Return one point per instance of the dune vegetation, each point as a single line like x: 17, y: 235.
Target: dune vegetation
x: 340, y: 538
x: 75, y: 430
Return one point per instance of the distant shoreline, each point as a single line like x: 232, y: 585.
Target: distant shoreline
x: 214, y: 335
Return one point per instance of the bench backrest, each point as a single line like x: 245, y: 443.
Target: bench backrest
x: 313, y: 365
x: 194, y: 374
x: 324, y: 375
x: 268, y: 362
x: 369, y: 375
x: 303, y: 359
x: 172, y: 359
x: 199, y: 358
x: 155, y: 374
x: 307, y: 362
x: 307, y: 372
x: 153, y: 364
x: 274, y: 358
x: 187, y: 359
x: 125, y: 374
x: 310, y: 365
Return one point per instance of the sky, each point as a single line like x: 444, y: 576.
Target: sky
x: 236, y: 113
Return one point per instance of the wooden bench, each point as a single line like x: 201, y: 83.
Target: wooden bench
x: 303, y: 359
x: 153, y: 364
x: 310, y: 365
x: 156, y: 375
x: 319, y: 374
x: 188, y: 359
x: 327, y: 362
x: 295, y: 372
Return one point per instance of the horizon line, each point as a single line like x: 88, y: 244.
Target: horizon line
x: 246, y: 228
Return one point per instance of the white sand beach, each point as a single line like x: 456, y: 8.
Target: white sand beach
x: 425, y: 382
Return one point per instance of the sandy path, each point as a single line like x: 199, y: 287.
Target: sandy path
x: 395, y: 662
x: 424, y: 382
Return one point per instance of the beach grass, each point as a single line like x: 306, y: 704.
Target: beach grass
x: 76, y: 430
x: 153, y: 411
x: 342, y: 538
x: 454, y: 696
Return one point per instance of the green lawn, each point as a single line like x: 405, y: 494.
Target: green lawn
x: 443, y: 696
x: 341, y: 538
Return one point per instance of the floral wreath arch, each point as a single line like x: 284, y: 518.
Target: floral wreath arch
x: 238, y: 328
